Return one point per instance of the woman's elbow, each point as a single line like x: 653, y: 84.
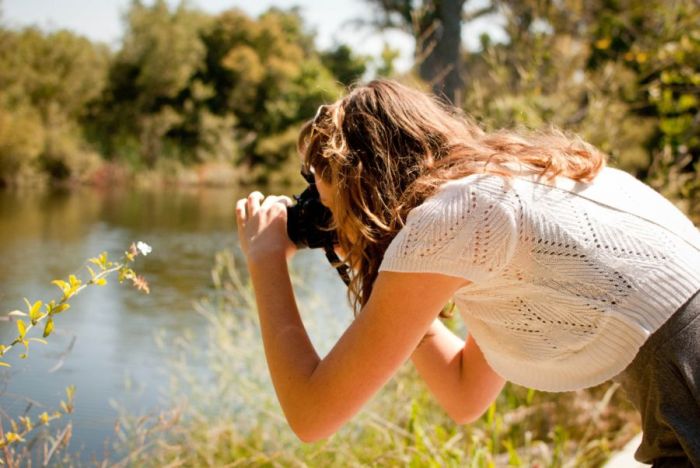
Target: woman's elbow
x: 309, y: 437
x: 308, y: 431
x: 467, y: 414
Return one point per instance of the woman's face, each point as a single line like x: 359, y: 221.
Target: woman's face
x: 325, y: 190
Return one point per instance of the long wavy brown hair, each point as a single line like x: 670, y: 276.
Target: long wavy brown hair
x: 385, y: 147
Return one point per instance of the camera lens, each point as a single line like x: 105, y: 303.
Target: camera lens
x: 308, y: 221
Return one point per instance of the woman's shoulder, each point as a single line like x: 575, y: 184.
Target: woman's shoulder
x: 473, y: 185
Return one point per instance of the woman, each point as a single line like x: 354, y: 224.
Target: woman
x: 567, y: 273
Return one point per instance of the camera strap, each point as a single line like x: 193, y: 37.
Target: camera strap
x: 334, y: 260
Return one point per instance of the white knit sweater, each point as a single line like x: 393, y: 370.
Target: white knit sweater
x: 567, y: 281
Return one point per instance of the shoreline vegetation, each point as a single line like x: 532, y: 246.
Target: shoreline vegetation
x: 192, y: 97
x: 225, y: 413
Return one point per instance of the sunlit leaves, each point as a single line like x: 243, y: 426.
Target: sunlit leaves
x: 20, y: 431
x: 101, y: 261
x: 63, y: 286
x: 74, y: 285
x: 34, y: 310
x: 21, y: 328
x: 48, y: 328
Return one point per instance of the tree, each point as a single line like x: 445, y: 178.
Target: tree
x: 46, y: 80
x: 149, y: 82
x: 623, y: 74
x: 436, y: 26
x: 344, y: 64
x: 267, y: 73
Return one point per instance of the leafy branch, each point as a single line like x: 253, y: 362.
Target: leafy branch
x: 19, y: 432
x: 40, y: 313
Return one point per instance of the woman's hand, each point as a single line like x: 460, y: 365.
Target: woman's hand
x: 262, y: 227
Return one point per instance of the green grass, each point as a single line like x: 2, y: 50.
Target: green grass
x: 225, y: 413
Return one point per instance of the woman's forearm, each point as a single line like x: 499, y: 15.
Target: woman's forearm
x: 456, y: 373
x: 290, y: 355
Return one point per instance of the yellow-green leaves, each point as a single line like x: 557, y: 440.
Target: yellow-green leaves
x: 38, y: 311
x: 34, y: 310
x: 22, y: 328
x: 67, y: 406
x: 44, y: 418
x: 48, y: 328
x: 64, y: 287
x: 53, y: 309
x: 101, y: 261
x: 11, y: 437
x: 68, y: 288
x: 18, y: 433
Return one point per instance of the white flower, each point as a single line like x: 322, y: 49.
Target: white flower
x: 144, y: 248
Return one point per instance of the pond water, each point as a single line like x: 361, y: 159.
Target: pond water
x: 104, y: 345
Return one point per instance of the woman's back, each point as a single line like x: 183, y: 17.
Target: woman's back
x: 567, y: 282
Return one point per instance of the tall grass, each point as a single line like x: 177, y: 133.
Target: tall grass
x: 222, y: 410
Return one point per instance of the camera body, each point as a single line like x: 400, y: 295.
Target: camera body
x: 308, y: 225
x: 308, y: 221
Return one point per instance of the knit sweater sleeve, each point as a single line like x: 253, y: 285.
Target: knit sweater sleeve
x: 467, y: 229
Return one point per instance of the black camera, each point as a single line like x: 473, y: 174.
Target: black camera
x: 308, y: 221
x: 308, y: 225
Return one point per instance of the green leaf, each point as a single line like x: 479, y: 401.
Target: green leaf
x: 60, y: 308
x: 35, y: 311
x: 63, y: 286
x: 48, y: 328
x: 22, y: 328
x: 74, y: 282
x: 101, y: 261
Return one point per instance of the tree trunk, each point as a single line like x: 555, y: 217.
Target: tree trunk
x: 438, y: 48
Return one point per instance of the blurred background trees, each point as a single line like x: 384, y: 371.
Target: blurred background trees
x: 187, y: 88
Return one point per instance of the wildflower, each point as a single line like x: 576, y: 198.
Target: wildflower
x: 141, y: 283
x: 144, y: 248
x: 11, y: 437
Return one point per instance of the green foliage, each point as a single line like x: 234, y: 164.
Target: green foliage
x: 268, y: 76
x: 387, y: 60
x: 196, y: 88
x: 224, y: 409
x: 46, y: 81
x: 344, y: 64
x: 190, y: 87
x: 15, y: 443
x: 624, y: 75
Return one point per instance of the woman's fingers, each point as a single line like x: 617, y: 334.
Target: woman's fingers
x: 253, y: 203
x: 261, y: 224
x: 271, y: 199
x: 241, y: 211
x: 248, y: 207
